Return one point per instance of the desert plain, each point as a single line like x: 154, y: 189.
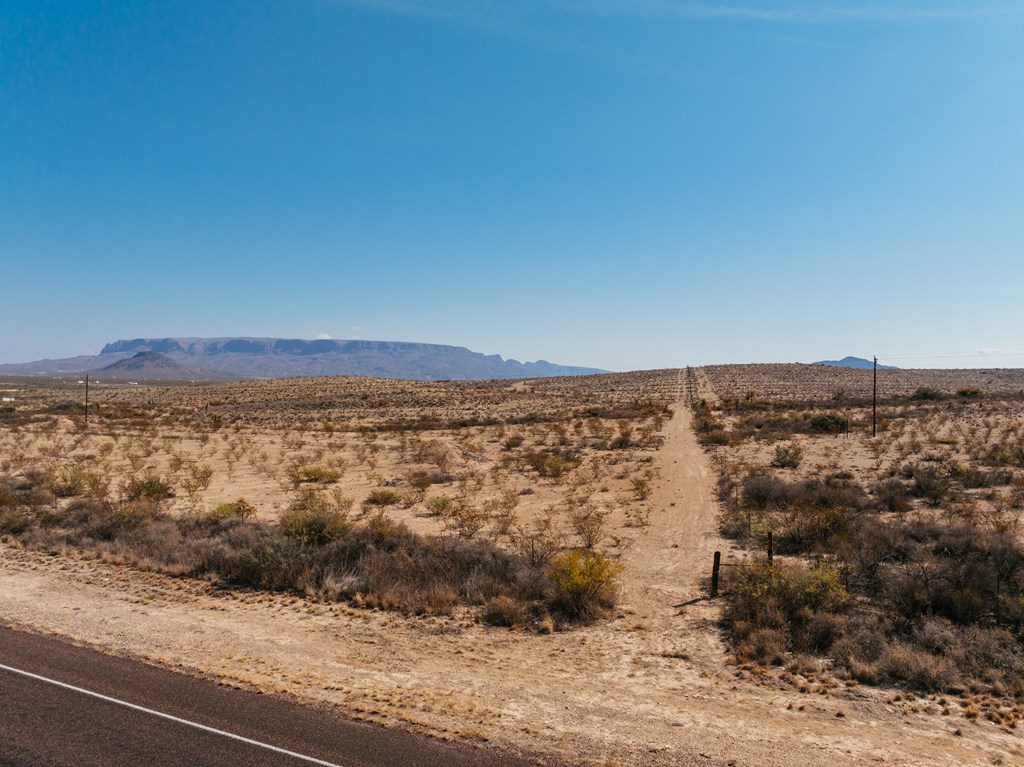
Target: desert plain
x: 648, y: 473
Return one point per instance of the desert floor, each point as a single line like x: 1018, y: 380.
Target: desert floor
x: 652, y: 685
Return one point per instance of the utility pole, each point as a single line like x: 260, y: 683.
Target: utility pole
x: 874, y: 400
x: 87, y: 401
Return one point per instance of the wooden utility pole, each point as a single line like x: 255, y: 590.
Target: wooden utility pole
x: 874, y: 400
x: 87, y: 401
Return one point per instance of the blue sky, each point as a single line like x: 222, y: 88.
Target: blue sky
x: 618, y: 183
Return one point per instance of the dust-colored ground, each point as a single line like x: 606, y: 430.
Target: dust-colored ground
x: 651, y: 685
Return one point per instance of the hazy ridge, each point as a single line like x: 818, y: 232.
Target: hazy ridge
x: 245, y: 357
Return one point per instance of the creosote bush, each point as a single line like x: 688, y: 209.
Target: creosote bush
x: 313, y: 519
x: 926, y: 394
x: 551, y: 463
x: 319, y: 474
x: 829, y: 423
x: 787, y: 456
x: 240, y: 509
x: 440, y: 505
x: 149, y: 487
x: 382, y: 498
x: 778, y: 609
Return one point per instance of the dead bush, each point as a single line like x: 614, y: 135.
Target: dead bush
x: 892, y: 495
x: 505, y: 611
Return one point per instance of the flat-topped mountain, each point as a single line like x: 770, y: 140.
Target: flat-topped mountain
x: 283, y: 358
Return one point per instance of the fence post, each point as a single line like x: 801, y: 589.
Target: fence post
x: 714, y: 574
x: 771, y: 547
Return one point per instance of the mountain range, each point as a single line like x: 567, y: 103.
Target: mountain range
x: 224, y: 358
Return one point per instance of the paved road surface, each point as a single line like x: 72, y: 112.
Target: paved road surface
x: 173, y: 719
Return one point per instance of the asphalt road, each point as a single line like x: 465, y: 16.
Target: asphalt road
x: 66, y: 705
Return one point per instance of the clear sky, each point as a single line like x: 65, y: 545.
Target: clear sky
x: 616, y: 183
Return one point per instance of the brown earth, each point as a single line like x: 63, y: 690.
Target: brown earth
x: 651, y: 685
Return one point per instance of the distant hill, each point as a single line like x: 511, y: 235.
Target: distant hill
x: 853, y: 362
x: 282, y: 358
x: 152, y: 366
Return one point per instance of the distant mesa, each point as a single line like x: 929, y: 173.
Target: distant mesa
x: 854, y: 362
x: 224, y: 358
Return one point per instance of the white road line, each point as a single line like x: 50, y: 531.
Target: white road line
x: 162, y: 715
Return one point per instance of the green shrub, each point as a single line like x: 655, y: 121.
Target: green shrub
x: 926, y: 394
x: 552, y: 463
x: 970, y: 392
x: 466, y: 519
x: 773, y: 609
x: 150, y: 487
x: 129, y: 515
x: 585, y: 584
x: 829, y: 423
x: 313, y: 523
x: 717, y: 437
x: 382, y: 498
x: 787, y: 456
x: 319, y: 474
x: 422, y: 480
x: 763, y: 491
x: 69, y: 482
x: 440, y: 505
x: 240, y: 509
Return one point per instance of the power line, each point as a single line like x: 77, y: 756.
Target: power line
x: 971, y: 355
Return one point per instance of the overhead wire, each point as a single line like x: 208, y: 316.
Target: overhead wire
x: 961, y: 355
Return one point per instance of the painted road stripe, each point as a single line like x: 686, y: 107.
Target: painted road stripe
x: 162, y: 715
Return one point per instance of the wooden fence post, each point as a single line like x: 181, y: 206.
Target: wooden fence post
x: 714, y: 574
x: 771, y: 548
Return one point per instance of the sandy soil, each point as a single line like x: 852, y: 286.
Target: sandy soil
x: 651, y: 686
